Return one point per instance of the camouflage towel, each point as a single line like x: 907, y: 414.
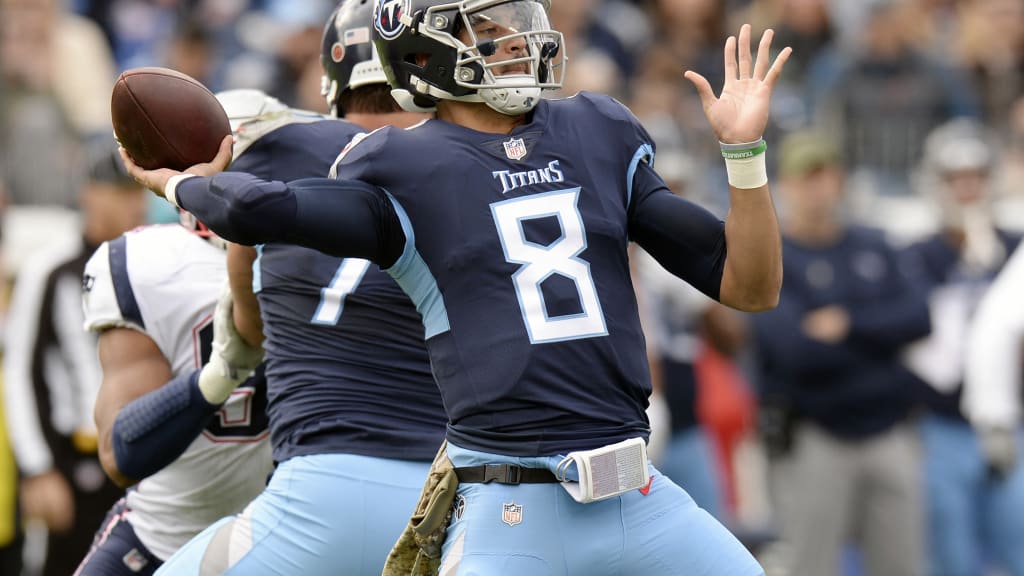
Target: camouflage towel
x: 418, y: 550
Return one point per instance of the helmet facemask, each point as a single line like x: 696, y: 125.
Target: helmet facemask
x: 508, y: 53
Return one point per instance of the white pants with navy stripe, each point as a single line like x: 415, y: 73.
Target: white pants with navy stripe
x: 325, y: 514
x: 539, y: 530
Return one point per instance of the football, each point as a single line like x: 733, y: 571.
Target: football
x: 166, y: 119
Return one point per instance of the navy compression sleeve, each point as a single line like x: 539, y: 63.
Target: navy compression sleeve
x: 151, y: 431
x: 345, y: 218
x: 683, y: 237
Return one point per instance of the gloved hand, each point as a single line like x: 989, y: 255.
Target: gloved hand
x: 232, y: 361
x: 999, y: 447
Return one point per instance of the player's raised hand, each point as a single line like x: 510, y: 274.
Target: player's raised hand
x: 156, y: 180
x: 740, y: 114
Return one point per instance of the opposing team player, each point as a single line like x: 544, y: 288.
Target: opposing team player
x: 173, y: 413
x: 507, y: 220
x: 355, y: 415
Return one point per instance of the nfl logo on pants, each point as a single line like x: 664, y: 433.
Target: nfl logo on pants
x: 511, y: 513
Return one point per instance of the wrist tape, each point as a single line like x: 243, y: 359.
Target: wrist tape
x: 745, y: 164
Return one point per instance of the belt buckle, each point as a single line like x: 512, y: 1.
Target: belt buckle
x: 502, y: 474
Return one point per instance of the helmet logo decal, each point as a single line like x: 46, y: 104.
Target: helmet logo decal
x: 337, y: 52
x: 387, y: 17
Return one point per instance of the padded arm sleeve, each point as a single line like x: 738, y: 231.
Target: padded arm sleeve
x: 683, y: 237
x: 344, y: 218
x: 154, y: 429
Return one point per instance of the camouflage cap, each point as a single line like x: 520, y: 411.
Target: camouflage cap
x: 801, y: 153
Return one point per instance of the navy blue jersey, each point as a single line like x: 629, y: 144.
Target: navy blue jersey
x: 344, y: 344
x: 513, y: 248
x: 857, y: 387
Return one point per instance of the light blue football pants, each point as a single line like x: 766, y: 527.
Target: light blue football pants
x: 325, y: 514
x: 539, y: 530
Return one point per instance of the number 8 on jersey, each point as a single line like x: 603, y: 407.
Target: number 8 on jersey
x: 540, y: 262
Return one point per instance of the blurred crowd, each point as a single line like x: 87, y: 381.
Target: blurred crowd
x: 829, y: 433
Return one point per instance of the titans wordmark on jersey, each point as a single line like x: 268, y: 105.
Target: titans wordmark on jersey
x: 164, y: 281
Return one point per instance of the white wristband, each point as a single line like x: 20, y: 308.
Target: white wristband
x: 746, y: 173
x: 171, y: 189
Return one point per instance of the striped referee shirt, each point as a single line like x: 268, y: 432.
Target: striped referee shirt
x: 51, y: 369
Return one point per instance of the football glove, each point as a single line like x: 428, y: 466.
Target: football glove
x: 232, y: 361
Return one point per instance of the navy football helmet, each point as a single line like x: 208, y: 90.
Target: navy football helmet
x: 347, y: 55
x: 434, y: 50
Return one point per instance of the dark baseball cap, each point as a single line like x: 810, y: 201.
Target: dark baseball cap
x: 103, y: 164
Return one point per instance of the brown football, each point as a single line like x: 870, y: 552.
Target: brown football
x: 166, y: 119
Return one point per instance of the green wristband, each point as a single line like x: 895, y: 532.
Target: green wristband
x: 729, y: 152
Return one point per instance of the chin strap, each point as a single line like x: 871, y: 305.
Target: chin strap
x: 512, y: 101
x: 509, y: 101
x: 408, y: 102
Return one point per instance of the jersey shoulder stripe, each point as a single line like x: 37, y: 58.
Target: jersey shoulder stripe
x: 100, y: 295
x: 128, y: 280
x: 118, y: 255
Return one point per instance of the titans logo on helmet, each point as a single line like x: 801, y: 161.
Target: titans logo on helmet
x: 387, y: 17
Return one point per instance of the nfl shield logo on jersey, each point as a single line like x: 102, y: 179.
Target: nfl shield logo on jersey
x: 511, y: 513
x: 515, y: 149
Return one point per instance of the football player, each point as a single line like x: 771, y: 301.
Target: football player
x: 507, y: 220
x: 355, y: 415
x: 177, y: 418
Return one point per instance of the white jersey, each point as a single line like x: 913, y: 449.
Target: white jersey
x: 164, y: 281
